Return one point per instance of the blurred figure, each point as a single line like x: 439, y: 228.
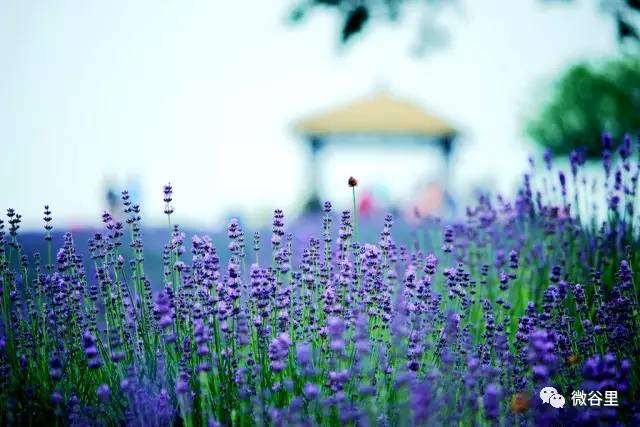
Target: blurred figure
x: 111, y: 197
x: 430, y: 200
x: 112, y: 200
x: 366, y: 204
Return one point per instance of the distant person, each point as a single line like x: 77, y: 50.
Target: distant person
x: 429, y: 200
x: 112, y: 200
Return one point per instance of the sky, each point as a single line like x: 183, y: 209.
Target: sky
x: 203, y: 94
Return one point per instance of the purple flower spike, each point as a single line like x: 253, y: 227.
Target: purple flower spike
x: 491, y: 401
x: 103, y: 392
x: 278, y: 351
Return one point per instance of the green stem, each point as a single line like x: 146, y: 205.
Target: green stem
x: 355, y: 214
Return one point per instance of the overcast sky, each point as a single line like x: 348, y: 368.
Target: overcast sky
x: 203, y: 94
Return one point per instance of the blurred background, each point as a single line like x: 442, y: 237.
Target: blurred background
x: 247, y: 106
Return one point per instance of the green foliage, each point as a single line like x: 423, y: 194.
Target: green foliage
x: 356, y: 14
x: 588, y: 100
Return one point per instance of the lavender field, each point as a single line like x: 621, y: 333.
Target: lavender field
x: 452, y: 323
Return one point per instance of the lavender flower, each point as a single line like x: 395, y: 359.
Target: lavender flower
x: 103, y: 392
x: 91, y: 351
x: 278, y: 351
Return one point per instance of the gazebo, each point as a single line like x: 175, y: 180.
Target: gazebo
x: 380, y: 119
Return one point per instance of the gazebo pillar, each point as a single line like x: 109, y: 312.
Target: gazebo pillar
x: 313, y: 203
x: 446, y: 144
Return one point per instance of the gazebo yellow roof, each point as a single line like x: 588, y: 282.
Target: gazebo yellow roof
x: 377, y: 114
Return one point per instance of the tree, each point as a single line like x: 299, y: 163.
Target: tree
x: 356, y: 15
x: 587, y: 101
